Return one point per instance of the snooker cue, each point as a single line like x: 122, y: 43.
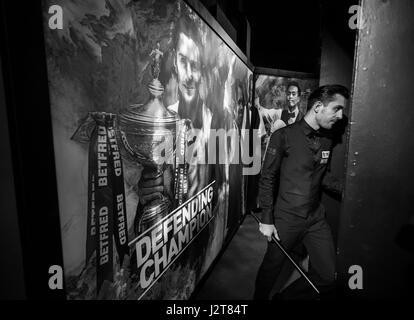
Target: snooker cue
x: 297, y: 267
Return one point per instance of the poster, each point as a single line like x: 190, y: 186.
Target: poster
x: 272, y: 101
x: 138, y: 92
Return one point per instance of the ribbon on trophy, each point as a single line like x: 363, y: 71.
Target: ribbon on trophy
x: 107, y: 219
x: 91, y: 220
x: 103, y: 203
x: 181, y: 165
x: 120, y: 231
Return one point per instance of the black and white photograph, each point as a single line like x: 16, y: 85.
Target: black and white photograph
x: 215, y: 157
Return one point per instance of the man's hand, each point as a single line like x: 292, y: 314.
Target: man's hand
x: 153, y: 186
x: 268, y: 230
x: 150, y: 187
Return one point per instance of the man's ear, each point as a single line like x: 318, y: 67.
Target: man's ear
x: 318, y: 106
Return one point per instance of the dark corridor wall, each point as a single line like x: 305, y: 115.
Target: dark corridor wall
x: 379, y: 177
x: 11, y: 270
x: 337, y: 57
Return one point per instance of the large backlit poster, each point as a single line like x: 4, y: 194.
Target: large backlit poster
x: 273, y: 103
x: 138, y: 91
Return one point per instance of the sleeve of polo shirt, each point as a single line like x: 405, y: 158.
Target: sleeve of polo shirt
x: 271, y: 166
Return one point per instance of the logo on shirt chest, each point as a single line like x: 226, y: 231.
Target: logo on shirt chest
x: 325, y: 157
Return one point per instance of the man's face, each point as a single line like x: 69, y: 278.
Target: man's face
x: 331, y: 113
x: 187, y: 63
x: 292, y: 96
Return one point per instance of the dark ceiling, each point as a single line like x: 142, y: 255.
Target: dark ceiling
x: 287, y: 34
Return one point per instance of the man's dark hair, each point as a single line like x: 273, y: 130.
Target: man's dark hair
x: 188, y: 26
x: 293, y: 84
x: 325, y: 94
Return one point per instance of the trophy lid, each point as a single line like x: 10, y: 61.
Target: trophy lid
x: 153, y: 111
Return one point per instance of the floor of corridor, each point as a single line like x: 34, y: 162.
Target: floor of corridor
x: 232, y: 278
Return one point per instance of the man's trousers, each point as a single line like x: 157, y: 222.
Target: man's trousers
x: 315, y: 233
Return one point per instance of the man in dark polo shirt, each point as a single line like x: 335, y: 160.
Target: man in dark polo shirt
x: 296, y: 162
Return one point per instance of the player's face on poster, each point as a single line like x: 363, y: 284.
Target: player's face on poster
x: 187, y: 62
x: 292, y: 96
